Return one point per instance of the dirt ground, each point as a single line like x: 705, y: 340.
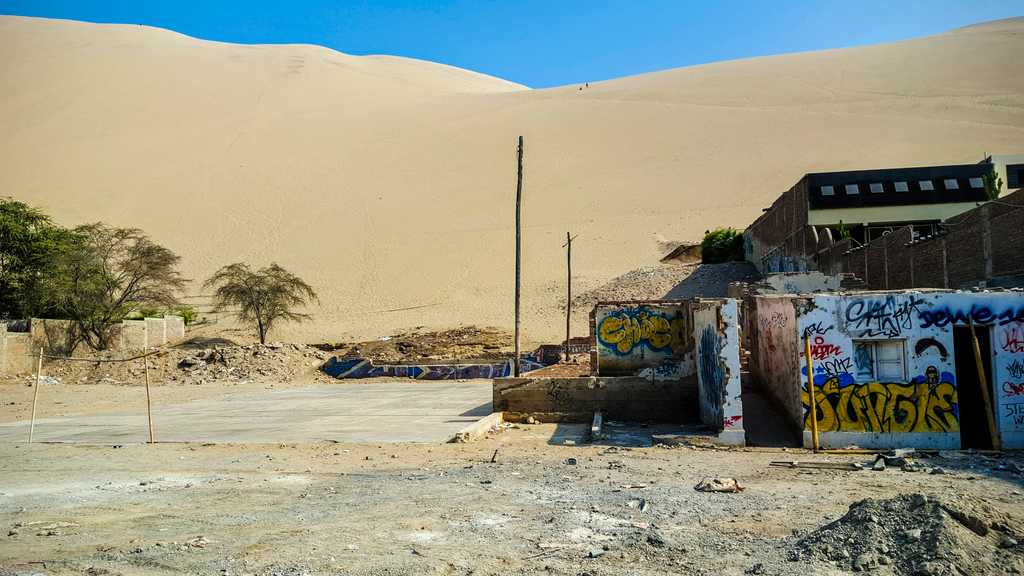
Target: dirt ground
x: 548, y: 504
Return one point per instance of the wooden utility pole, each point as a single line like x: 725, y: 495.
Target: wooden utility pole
x: 519, y: 201
x: 568, y: 289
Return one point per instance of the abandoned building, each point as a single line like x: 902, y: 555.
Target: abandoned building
x: 894, y: 369
x: 652, y: 361
x: 826, y: 215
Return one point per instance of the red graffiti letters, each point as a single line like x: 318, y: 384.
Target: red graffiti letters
x: 1013, y: 389
x: 821, y: 349
x: 1013, y: 338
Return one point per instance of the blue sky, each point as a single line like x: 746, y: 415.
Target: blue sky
x: 544, y: 43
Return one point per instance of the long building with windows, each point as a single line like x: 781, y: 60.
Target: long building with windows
x: 864, y: 205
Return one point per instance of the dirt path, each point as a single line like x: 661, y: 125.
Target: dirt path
x: 541, y: 508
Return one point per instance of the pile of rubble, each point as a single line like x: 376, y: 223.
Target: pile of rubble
x: 464, y: 344
x: 189, y: 365
x: 914, y: 534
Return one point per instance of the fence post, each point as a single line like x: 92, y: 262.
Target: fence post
x: 35, y: 397
x: 149, y: 405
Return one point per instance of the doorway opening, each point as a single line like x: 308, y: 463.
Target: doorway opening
x: 974, y: 431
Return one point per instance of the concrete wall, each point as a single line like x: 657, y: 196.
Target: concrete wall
x: 798, y: 283
x: 16, y: 353
x: 632, y: 336
x: 716, y: 332
x: 57, y: 337
x: 775, y: 354
x: 631, y: 399
x: 919, y: 409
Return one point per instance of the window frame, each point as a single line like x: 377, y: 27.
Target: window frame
x: 831, y: 191
x: 947, y: 181
x: 899, y: 346
x: 905, y: 185
x: 880, y: 190
x: 854, y: 187
x: 923, y: 183
x: 976, y: 183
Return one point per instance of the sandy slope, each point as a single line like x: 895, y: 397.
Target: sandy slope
x: 388, y: 183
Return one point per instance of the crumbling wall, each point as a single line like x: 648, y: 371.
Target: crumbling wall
x: 716, y: 333
x: 799, y: 282
x: 631, y: 399
x: 637, y: 335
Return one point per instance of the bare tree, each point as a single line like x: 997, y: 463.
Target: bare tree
x: 108, y: 273
x: 263, y: 296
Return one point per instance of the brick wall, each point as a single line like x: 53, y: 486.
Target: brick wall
x: 899, y: 258
x: 985, y: 244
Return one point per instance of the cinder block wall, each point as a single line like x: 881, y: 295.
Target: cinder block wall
x: 576, y: 399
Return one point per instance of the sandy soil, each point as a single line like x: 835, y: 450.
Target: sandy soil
x: 388, y: 183
x: 445, y: 509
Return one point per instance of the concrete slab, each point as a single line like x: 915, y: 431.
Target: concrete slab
x: 357, y: 412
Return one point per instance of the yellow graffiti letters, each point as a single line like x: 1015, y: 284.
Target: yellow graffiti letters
x: 625, y: 331
x: 884, y: 407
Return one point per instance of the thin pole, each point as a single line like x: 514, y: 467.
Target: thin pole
x: 993, y: 433
x: 568, y: 290
x: 149, y: 404
x: 519, y: 199
x: 810, y: 394
x: 35, y: 397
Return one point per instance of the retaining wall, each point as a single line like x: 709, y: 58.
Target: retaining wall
x: 631, y: 399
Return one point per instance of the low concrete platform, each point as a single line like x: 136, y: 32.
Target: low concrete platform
x: 351, y: 412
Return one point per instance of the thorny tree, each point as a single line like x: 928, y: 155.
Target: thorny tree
x: 263, y: 296
x: 109, y: 273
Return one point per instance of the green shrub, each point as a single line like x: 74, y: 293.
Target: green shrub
x: 187, y: 313
x: 722, y: 245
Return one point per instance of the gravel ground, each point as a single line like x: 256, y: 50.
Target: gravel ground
x: 542, y: 507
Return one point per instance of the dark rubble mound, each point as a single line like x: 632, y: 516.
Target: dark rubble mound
x: 918, y: 535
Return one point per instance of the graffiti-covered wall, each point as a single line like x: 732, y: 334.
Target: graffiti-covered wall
x: 364, y: 368
x: 775, y: 354
x: 885, y: 368
x: 716, y: 333
x: 633, y: 336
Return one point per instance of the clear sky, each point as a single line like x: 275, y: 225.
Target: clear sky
x: 544, y: 43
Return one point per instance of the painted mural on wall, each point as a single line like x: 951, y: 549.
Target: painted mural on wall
x: 364, y: 368
x: 631, y: 338
x: 885, y: 363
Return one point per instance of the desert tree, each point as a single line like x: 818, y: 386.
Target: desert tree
x: 107, y: 274
x: 30, y: 244
x: 262, y: 297
x: 993, y: 184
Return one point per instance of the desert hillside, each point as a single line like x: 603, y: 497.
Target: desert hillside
x: 388, y: 183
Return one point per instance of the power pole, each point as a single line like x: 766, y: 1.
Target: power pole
x: 568, y: 289
x: 519, y: 200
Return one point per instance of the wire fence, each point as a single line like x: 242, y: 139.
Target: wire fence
x: 143, y: 357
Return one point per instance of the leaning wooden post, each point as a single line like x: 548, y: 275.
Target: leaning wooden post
x: 35, y: 397
x: 993, y: 433
x: 810, y: 394
x: 149, y: 404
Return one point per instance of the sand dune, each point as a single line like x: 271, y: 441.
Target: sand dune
x: 388, y: 183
